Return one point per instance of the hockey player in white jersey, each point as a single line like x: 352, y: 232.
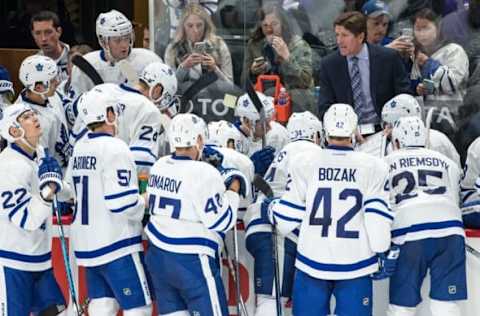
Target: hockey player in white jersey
x: 338, y: 199
x: 400, y: 106
x: 189, y: 206
x: 424, y: 195
x: 27, y: 283
x: 138, y: 125
x: 39, y: 76
x: 116, y: 37
x: 249, y: 125
x: 106, y: 231
x: 305, y: 132
x: 469, y: 186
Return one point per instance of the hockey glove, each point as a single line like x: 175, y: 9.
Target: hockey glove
x: 211, y: 155
x: 49, y: 172
x: 266, y: 212
x: 262, y: 159
x: 230, y: 175
x: 387, y: 263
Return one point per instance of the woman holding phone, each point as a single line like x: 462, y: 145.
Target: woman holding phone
x: 196, y: 47
x: 440, y: 69
x: 274, y: 49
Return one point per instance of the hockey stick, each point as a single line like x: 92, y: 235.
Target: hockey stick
x: 473, y: 251
x: 204, y: 81
x: 428, y: 123
x: 87, y: 69
x: 79, y: 310
x: 252, y: 94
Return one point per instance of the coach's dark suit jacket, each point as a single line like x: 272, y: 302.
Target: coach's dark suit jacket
x: 388, y: 78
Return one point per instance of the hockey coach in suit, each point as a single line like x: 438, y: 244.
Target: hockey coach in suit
x: 363, y: 75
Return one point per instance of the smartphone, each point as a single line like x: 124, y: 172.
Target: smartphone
x: 259, y: 60
x: 429, y: 85
x: 200, y: 47
x: 407, y: 34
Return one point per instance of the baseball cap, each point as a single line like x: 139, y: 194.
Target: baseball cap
x: 375, y: 8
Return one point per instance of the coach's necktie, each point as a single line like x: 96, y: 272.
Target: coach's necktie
x: 358, y: 97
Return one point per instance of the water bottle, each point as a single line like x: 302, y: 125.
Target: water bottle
x: 283, y: 106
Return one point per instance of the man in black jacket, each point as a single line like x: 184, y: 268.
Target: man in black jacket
x: 362, y: 75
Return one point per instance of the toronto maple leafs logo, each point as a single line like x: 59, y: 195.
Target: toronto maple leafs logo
x: 245, y: 103
x: 39, y: 67
x: 102, y: 21
x: 393, y: 104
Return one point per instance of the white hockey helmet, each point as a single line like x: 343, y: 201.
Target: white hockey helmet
x: 400, y: 106
x: 409, y: 131
x: 225, y: 134
x: 246, y: 109
x: 93, y: 106
x: 304, y: 125
x: 162, y: 74
x: 37, y: 69
x: 185, y: 129
x: 340, y: 120
x: 9, y: 118
x: 113, y: 24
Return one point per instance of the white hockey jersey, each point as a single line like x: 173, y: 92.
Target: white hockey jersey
x: 139, y: 124
x: 277, y: 137
x: 438, y: 142
x: 337, y: 196
x: 55, y: 132
x: 109, y: 210
x: 189, y: 206
x: 25, y: 219
x: 277, y: 177
x: 424, y: 194
x: 138, y: 59
x: 469, y: 195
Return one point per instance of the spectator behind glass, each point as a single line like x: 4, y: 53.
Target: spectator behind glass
x: 462, y: 27
x: 378, y: 24
x: 197, y: 48
x: 274, y: 49
x: 46, y: 31
x: 440, y: 70
x: 146, y: 38
x: 7, y: 94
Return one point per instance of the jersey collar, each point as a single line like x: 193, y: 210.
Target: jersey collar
x: 127, y: 88
x: 237, y: 124
x: 102, y: 56
x: 24, y: 97
x: 95, y: 135
x: 344, y: 148
x: 175, y: 157
x: 23, y: 152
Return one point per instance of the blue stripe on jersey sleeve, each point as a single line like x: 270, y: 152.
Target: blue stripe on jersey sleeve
x: 228, y: 213
x: 18, y: 207
x: 376, y: 200
x: 426, y: 226
x: 292, y: 205
x: 381, y: 213
x: 126, y: 207
x: 468, y: 194
x: 143, y: 163
x: 333, y: 267
x: 471, y: 203
x: 256, y: 222
x: 286, y: 218
x: 25, y: 258
x: 110, y: 248
x: 143, y: 149
x: 121, y: 194
x: 188, y: 241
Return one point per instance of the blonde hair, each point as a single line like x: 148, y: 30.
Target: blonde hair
x: 195, y: 9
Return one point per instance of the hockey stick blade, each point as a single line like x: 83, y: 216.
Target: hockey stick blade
x: 263, y: 186
x: 87, y: 69
x: 204, y: 81
x: 473, y: 251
